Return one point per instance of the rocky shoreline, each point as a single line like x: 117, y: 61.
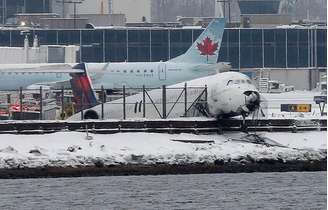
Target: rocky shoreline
x: 99, y: 169
x: 70, y: 154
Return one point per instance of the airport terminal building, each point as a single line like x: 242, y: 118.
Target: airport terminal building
x: 244, y: 48
x: 266, y: 38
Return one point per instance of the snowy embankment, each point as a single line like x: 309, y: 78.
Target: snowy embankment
x: 72, y: 149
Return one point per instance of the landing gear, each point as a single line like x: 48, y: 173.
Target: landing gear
x: 243, y: 126
x: 91, y: 114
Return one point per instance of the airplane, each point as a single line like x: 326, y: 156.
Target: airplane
x: 198, y: 61
x: 228, y: 94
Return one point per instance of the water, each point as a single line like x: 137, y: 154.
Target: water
x: 207, y: 191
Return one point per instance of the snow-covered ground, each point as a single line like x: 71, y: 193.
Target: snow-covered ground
x: 271, y: 103
x: 73, y: 149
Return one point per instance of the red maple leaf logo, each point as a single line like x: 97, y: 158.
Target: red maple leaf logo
x: 207, y: 47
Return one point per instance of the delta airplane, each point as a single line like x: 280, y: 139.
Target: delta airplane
x: 228, y: 94
x: 199, y: 60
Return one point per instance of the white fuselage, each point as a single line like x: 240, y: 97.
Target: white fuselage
x: 226, y: 97
x: 109, y: 75
x: 14, y: 76
x: 198, y: 61
x: 151, y: 74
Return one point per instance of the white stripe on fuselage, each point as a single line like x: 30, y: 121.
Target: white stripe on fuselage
x: 153, y: 74
x: 110, y: 75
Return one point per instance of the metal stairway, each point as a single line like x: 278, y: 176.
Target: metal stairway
x: 264, y: 77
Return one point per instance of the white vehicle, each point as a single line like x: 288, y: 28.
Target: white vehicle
x: 278, y: 87
x: 229, y: 94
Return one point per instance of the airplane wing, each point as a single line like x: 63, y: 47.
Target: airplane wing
x: 43, y: 69
x: 39, y: 68
x: 53, y: 85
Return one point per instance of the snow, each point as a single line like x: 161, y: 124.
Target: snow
x: 303, y: 140
x: 73, y: 148
x: 271, y: 102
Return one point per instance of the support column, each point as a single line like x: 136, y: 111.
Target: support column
x: 124, y: 103
x: 164, y: 101
x: 62, y: 104
x: 41, y: 103
x: 103, y: 101
x: 21, y: 103
x: 143, y: 101
x: 185, y: 100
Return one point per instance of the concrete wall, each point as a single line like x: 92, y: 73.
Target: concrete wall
x: 42, y: 54
x: 265, y: 20
x: 301, y: 79
x: 16, y: 55
x: 168, y: 10
x: 298, y: 78
x: 105, y: 20
x: 71, y: 53
x: 63, y: 23
x: 163, y: 10
x: 57, y: 8
x: 133, y: 9
x: 87, y: 7
x: 93, y: 7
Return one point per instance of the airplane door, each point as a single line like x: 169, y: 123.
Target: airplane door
x: 162, y: 71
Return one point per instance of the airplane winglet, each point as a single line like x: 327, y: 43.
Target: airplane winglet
x: 84, y: 95
x: 207, y: 46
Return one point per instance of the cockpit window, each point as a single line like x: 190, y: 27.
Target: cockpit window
x: 237, y: 81
x: 229, y: 82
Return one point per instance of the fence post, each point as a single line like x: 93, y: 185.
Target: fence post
x: 124, y: 111
x: 206, y: 94
x: 8, y: 98
x: 143, y: 101
x: 103, y: 98
x: 62, y: 104
x: 41, y: 103
x: 164, y: 101
x: 21, y: 103
x: 185, y: 100
x: 82, y: 98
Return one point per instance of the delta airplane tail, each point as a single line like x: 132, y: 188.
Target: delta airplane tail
x: 84, y: 95
x: 206, y: 48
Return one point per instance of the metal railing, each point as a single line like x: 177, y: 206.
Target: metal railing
x: 17, y: 105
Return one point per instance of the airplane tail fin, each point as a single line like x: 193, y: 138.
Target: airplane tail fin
x: 84, y: 95
x: 206, y: 48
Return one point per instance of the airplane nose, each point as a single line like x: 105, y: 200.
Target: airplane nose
x: 252, y: 101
